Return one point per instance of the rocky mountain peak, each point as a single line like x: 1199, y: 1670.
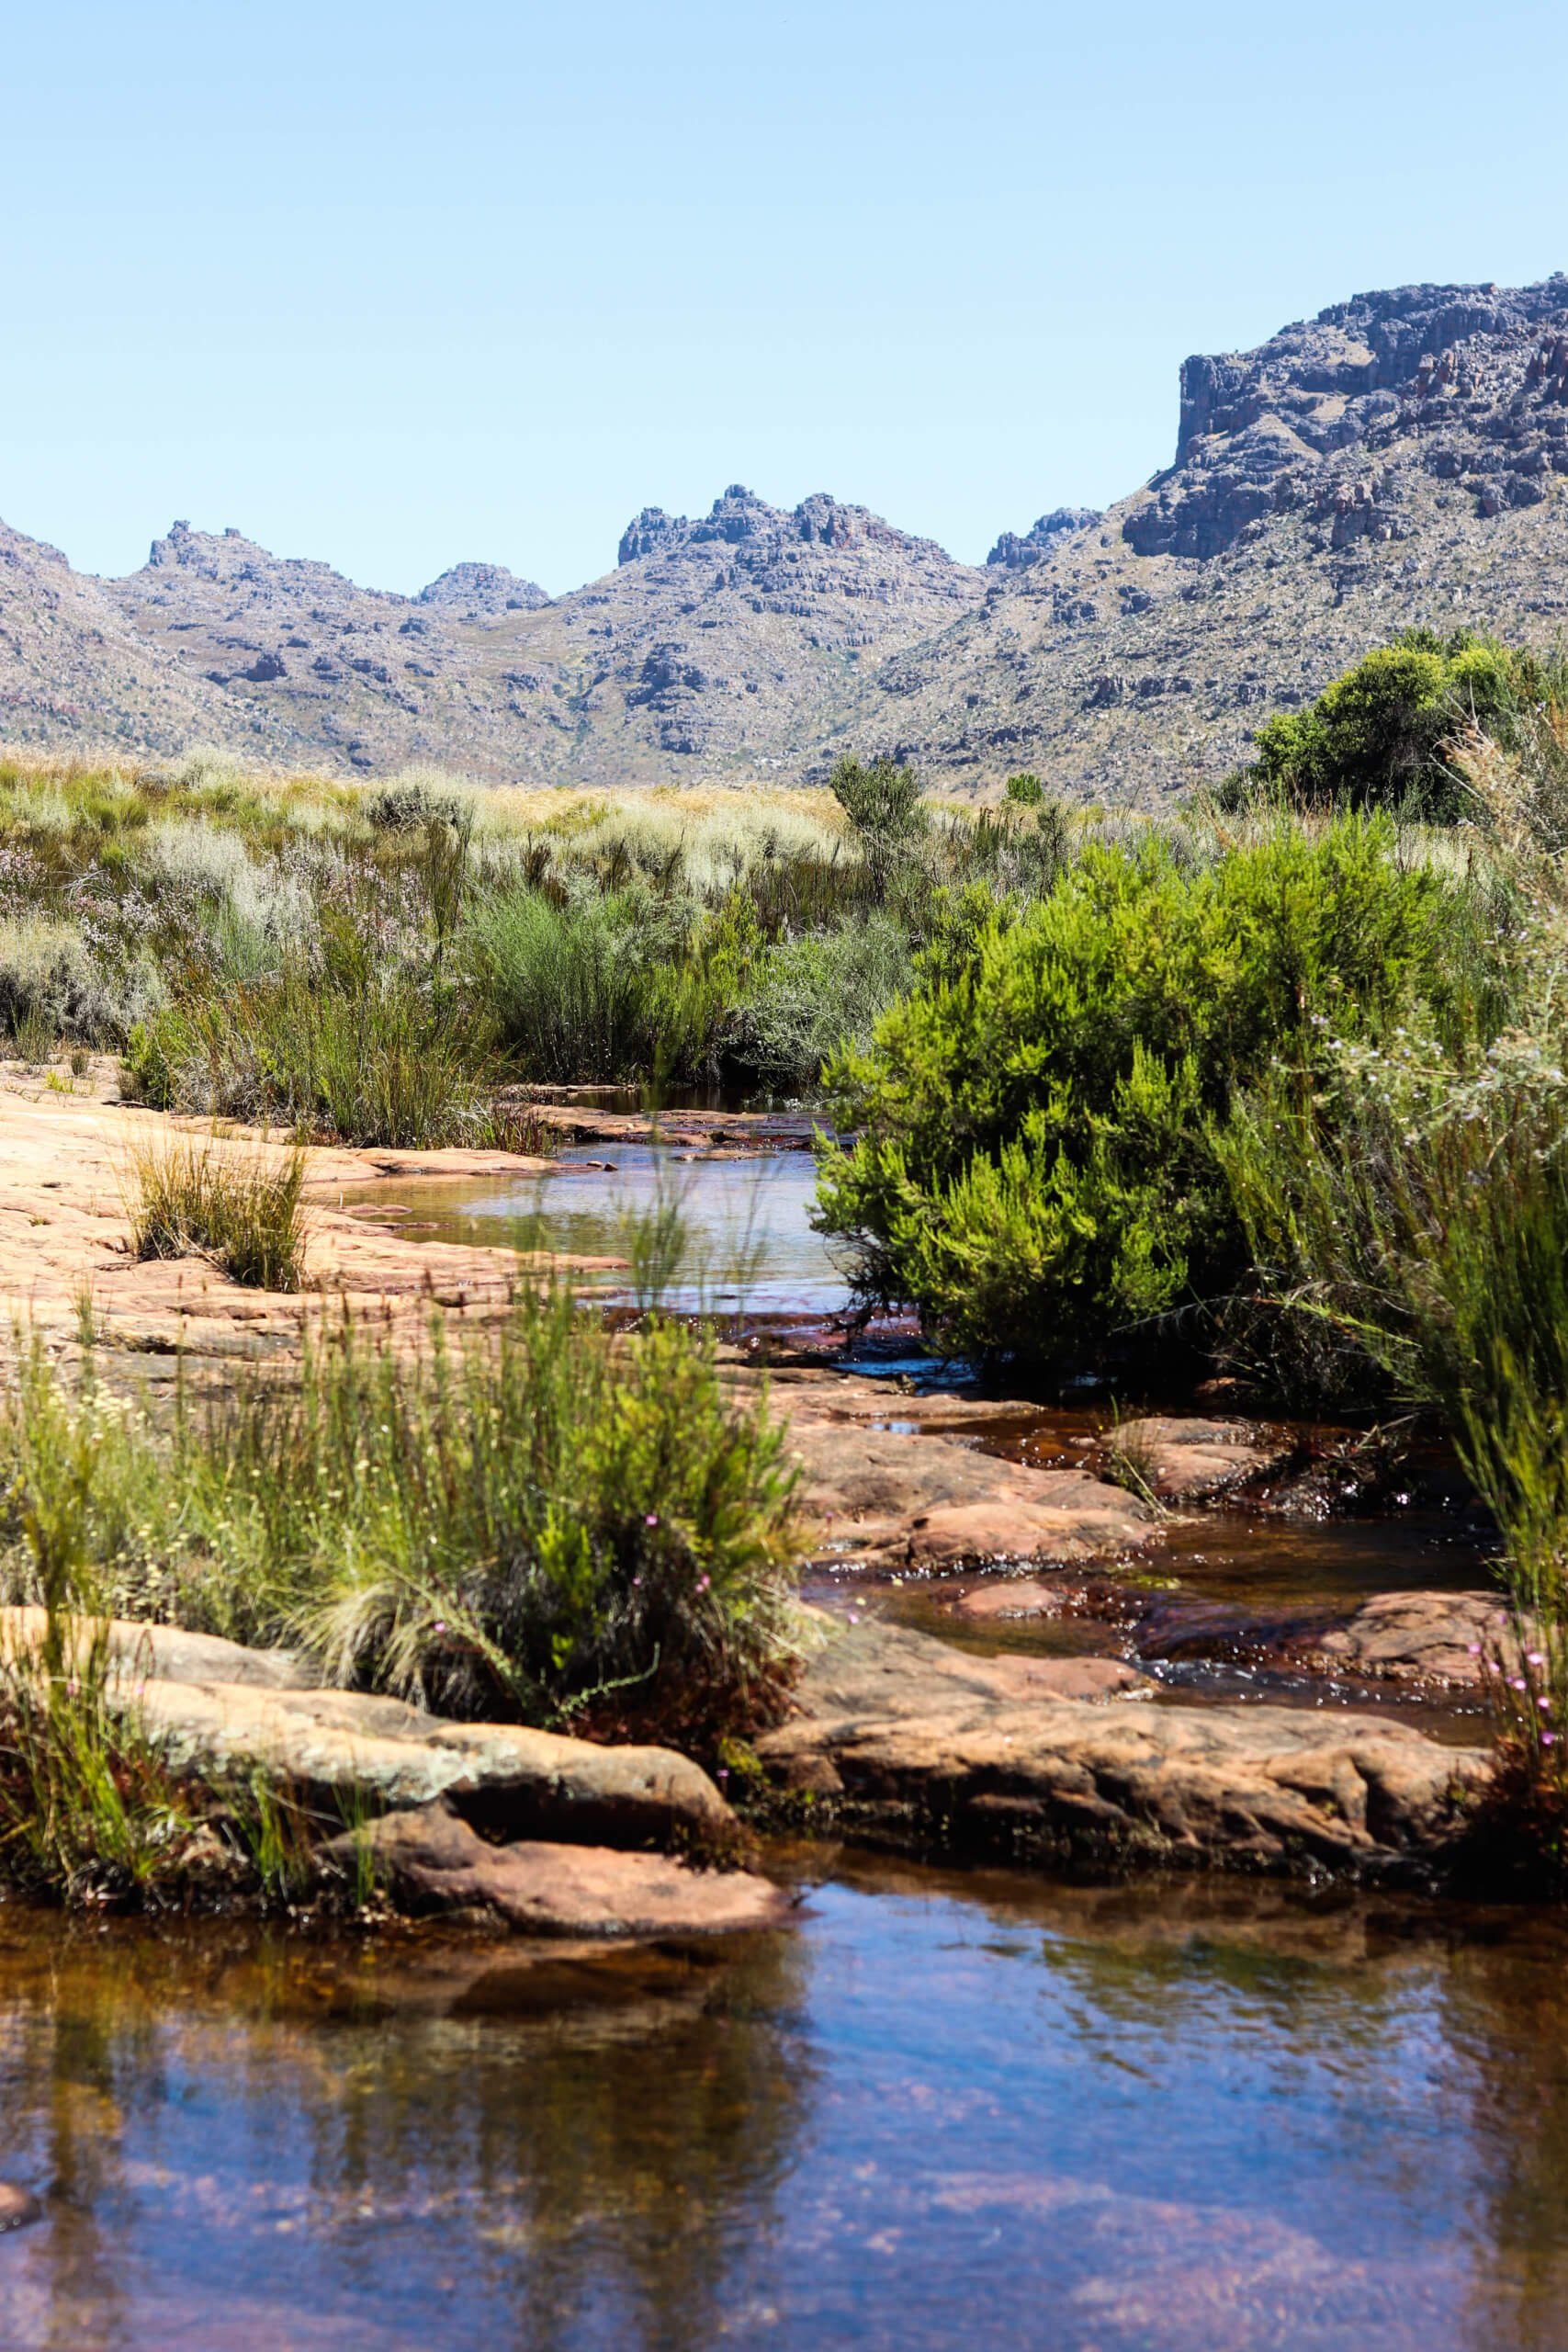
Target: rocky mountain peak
x: 1460, y: 378
x: 741, y: 518
x: 483, y: 588
x: 1014, y: 553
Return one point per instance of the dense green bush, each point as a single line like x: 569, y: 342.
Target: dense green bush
x: 1035, y: 1162
x: 1376, y: 738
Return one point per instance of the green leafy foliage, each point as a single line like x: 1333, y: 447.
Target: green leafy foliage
x: 1034, y: 1165
x: 1377, y: 737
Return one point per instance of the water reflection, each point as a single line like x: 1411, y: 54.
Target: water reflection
x: 951, y: 2108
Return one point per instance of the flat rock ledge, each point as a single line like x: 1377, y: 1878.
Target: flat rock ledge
x: 1196, y: 1461
x: 901, y: 1737
x: 904, y: 1503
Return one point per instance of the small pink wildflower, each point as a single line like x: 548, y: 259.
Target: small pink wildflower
x: 1549, y: 1739
x: 653, y: 1519
x: 703, y: 1583
x: 1516, y: 1682
x: 441, y: 1624
x: 1474, y: 1648
x: 1543, y: 1702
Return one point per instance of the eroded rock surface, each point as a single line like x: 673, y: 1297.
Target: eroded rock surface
x: 897, y: 1502
x: 894, y: 1737
x: 1444, y: 1637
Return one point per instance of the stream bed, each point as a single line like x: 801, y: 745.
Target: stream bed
x: 980, y: 2107
x: 947, y: 2108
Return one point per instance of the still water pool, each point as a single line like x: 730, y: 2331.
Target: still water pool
x: 948, y: 2110
x: 749, y: 1245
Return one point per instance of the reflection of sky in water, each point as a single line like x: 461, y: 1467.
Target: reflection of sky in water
x: 950, y: 2109
x: 746, y: 1220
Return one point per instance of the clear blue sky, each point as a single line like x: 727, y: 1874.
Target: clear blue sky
x: 397, y: 284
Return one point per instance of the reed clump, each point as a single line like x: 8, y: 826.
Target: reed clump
x: 239, y: 1208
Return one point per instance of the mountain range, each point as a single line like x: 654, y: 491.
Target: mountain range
x: 1401, y: 458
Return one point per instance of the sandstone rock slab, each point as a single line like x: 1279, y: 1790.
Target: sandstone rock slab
x: 925, y: 1501
x: 894, y: 1739
x: 1444, y: 1637
x: 1194, y: 1461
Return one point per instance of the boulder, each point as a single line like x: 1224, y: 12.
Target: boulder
x: 1191, y: 1461
x: 432, y: 1859
x: 980, y: 1752
x: 530, y: 1782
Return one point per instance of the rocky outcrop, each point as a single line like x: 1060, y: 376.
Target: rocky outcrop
x: 1399, y: 459
x: 1017, y: 553
x: 476, y: 590
x: 889, y: 1739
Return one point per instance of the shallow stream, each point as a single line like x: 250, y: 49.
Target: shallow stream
x: 945, y: 2109
x: 982, y: 2109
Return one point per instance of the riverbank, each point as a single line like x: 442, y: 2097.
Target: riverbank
x: 918, y: 1510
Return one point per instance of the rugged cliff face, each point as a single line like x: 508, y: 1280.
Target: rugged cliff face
x: 1403, y: 456
x: 1400, y: 458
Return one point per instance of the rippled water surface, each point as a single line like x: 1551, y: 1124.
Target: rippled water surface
x: 979, y: 2110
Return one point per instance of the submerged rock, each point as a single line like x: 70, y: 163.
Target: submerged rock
x: 19, y: 2206
x: 432, y: 1859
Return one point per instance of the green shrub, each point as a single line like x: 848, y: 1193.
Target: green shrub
x: 1377, y: 737
x: 555, y: 1523
x: 1034, y: 1166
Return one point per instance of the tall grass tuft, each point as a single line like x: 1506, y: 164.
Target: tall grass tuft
x: 88, y: 1806
x: 551, y: 1523
x: 554, y: 1524
x: 242, y: 1213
